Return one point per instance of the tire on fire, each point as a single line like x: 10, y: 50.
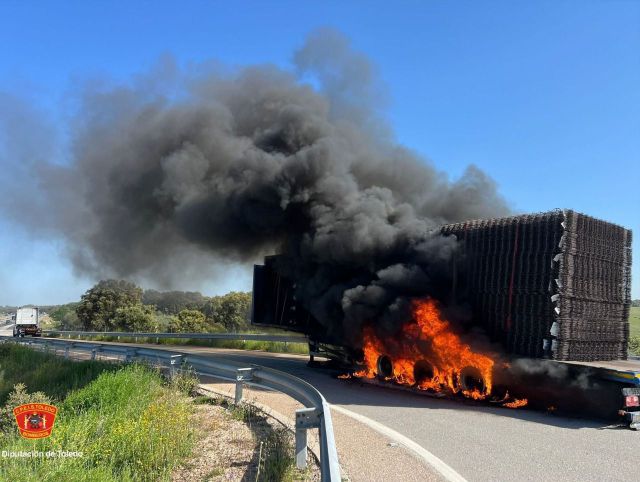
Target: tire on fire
x: 470, y: 379
x: 422, y: 371
x: 384, y: 367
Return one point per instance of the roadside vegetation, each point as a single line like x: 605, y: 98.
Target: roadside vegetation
x: 268, y: 346
x: 44, y: 372
x: 127, y: 421
x: 130, y: 424
x: 634, y: 321
x: 634, y: 325
x: 117, y: 305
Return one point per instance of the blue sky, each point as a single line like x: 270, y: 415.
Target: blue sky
x: 544, y: 96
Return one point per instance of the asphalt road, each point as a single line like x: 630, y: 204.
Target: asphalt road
x: 6, y: 330
x: 481, y: 443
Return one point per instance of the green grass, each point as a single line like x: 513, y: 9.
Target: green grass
x: 634, y: 321
x: 269, y: 346
x: 44, y: 372
x: 634, y: 324
x: 128, y: 422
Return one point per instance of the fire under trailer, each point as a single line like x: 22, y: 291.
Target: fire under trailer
x: 552, y: 289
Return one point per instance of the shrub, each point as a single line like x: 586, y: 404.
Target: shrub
x: 232, y: 310
x: 136, y: 318
x: 98, y: 306
x: 185, y: 381
x: 189, y: 321
x: 276, y: 461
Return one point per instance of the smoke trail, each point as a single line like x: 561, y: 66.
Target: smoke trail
x: 241, y: 164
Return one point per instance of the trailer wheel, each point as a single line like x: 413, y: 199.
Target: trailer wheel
x: 471, y: 379
x: 422, y: 372
x: 384, y: 366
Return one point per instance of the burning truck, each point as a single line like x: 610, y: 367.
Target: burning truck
x: 532, y: 309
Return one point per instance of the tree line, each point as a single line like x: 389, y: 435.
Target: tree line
x: 119, y: 305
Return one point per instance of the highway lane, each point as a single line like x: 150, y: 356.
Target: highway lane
x: 6, y: 330
x: 481, y: 443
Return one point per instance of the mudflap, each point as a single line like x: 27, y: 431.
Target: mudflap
x: 632, y: 419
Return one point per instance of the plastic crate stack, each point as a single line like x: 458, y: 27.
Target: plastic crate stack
x: 553, y: 284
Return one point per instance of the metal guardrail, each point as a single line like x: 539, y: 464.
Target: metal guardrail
x: 316, y: 414
x: 194, y: 336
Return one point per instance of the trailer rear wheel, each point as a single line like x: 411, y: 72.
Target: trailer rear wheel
x: 384, y: 366
x: 471, y: 379
x: 422, y: 372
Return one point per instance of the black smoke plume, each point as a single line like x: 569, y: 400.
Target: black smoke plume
x: 260, y: 160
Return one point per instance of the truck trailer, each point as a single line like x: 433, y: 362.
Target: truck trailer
x: 27, y: 322
x: 550, y: 287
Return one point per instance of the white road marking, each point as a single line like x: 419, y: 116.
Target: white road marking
x: 443, y: 469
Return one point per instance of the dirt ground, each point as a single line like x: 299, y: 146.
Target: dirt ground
x: 235, y: 445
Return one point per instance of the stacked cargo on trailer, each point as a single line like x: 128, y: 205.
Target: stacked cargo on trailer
x: 554, y: 285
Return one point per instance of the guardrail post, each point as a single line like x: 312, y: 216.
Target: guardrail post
x: 306, y: 418
x: 175, y: 362
x: 242, y: 375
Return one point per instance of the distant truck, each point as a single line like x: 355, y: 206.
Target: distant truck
x: 27, y: 322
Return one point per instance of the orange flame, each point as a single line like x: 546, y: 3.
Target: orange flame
x: 517, y: 403
x: 428, y: 342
